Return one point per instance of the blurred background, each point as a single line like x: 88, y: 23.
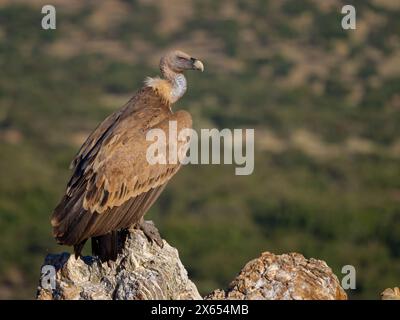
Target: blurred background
x: 325, y: 103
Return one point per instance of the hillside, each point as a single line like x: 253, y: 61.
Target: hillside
x: 325, y: 104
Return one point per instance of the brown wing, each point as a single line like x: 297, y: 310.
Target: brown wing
x: 113, y: 184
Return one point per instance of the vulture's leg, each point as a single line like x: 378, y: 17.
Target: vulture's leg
x: 106, y: 246
x: 151, y: 232
x: 78, y: 248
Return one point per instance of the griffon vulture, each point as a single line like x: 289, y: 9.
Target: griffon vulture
x: 113, y: 185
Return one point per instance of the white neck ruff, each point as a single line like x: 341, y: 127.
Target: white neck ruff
x: 171, y: 89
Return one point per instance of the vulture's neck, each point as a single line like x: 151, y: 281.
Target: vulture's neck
x: 179, y: 86
x: 171, y: 88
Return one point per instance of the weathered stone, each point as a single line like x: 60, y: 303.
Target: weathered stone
x: 283, y: 277
x: 142, y: 271
x: 391, y: 294
x: 145, y: 271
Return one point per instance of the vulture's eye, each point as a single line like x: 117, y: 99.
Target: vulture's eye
x: 181, y: 58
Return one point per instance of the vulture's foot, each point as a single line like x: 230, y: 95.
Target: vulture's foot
x: 151, y: 232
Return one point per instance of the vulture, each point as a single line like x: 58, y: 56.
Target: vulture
x: 113, y: 184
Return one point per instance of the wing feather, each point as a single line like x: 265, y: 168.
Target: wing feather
x: 121, y: 169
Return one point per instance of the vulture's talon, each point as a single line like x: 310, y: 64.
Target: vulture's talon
x: 151, y: 232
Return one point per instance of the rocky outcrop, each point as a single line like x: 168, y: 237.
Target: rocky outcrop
x: 391, y: 294
x: 142, y: 271
x: 283, y: 277
x: 145, y: 271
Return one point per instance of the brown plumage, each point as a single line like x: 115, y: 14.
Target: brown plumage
x: 113, y: 185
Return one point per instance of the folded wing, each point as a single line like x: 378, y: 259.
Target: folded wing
x: 113, y: 184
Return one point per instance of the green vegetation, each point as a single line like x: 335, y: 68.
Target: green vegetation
x: 325, y: 104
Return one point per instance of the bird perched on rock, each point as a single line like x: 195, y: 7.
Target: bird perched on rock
x: 113, y: 184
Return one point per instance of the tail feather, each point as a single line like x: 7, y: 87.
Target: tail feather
x: 73, y: 225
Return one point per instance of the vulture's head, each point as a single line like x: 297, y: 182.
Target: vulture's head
x: 179, y: 61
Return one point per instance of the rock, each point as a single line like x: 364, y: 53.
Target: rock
x: 142, y: 271
x: 145, y: 271
x: 391, y: 294
x: 283, y: 277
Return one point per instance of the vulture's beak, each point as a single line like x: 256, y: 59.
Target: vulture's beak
x: 197, y: 64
